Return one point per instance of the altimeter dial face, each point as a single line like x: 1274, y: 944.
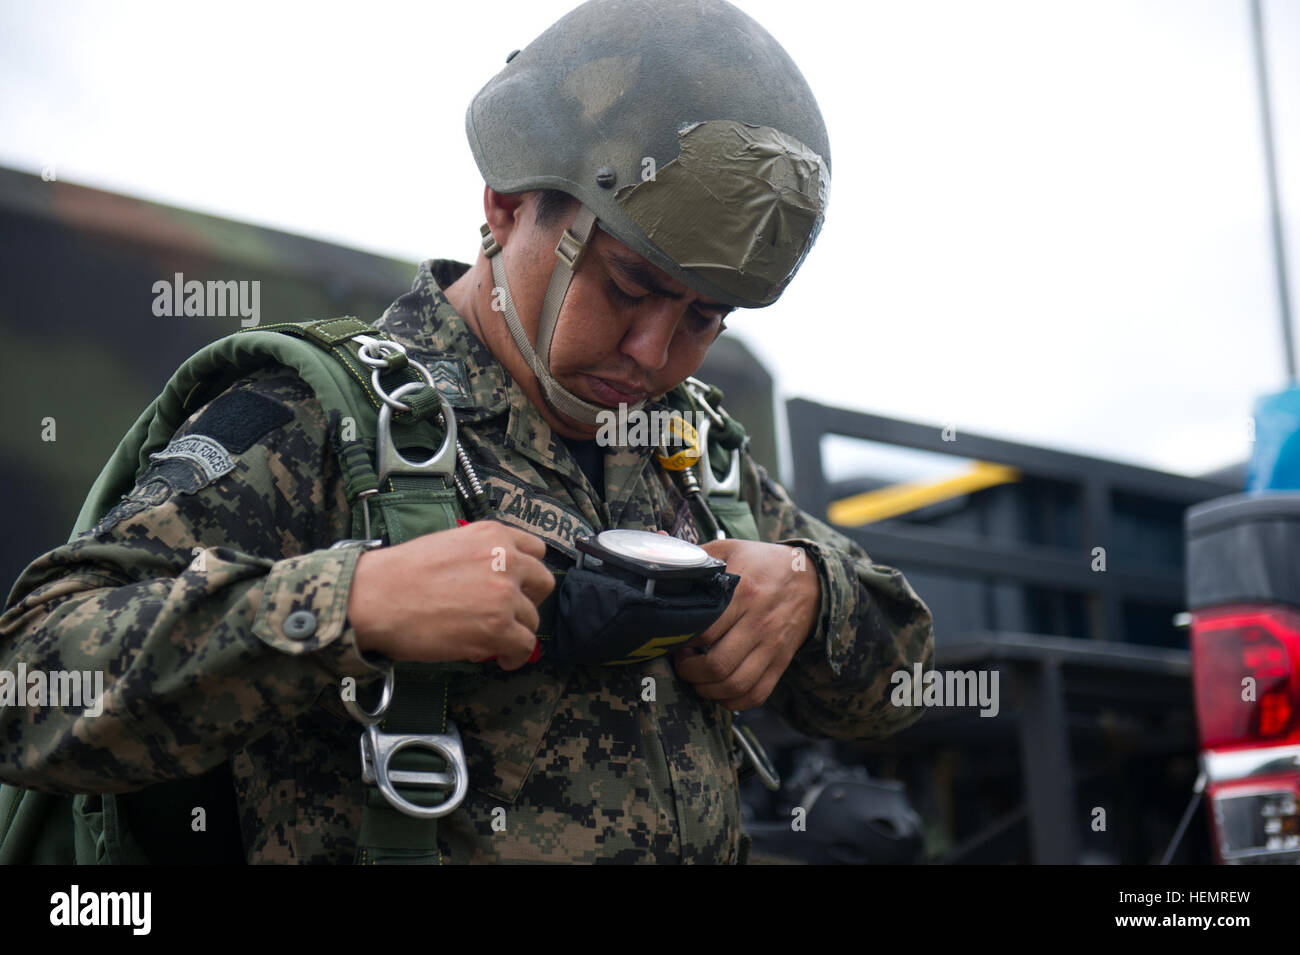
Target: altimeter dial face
x: 650, y: 554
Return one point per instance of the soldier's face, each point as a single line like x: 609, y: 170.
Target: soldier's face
x: 627, y: 331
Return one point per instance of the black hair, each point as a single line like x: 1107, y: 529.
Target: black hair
x: 552, y: 204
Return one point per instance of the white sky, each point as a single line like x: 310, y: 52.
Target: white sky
x: 1048, y: 220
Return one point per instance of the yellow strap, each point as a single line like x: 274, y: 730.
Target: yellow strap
x: 901, y: 498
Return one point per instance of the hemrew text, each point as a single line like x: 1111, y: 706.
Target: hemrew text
x: 1194, y: 895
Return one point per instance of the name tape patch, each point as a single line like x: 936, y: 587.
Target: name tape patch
x: 539, y: 515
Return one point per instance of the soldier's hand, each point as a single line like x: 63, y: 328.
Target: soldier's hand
x: 770, y: 616
x: 465, y: 594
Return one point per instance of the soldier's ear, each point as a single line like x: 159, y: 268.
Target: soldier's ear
x: 502, y: 212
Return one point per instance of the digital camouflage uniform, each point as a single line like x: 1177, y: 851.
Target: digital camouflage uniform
x: 198, y: 670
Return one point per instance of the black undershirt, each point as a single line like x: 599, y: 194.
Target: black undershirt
x: 591, y: 459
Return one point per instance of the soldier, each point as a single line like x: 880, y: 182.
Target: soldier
x: 645, y: 174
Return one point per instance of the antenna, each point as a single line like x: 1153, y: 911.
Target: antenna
x: 1279, y: 242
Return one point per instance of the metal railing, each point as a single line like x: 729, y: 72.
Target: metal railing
x: 1051, y: 678
x: 959, y: 553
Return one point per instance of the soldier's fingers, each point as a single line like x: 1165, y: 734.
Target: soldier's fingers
x: 535, y: 578
x: 725, y: 655
x: 718, y: 629
x: 720, y: 549
x: 526, y: 613
x: 758, y: 695
x: 530, y: 545
x: 739, y: 683
x: 522, y: 645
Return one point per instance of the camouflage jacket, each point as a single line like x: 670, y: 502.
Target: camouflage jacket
x: 180, y: 595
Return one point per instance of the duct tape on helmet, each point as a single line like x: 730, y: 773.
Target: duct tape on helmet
x: 740, y: 207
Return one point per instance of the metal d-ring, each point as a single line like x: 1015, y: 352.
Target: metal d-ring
x: 386, y: 697
x: 390, y: 461
x: 729, y: 485
x: 755, y: 753
x: 386, y: 350
x: 377, y: 749
x: 390, y: 398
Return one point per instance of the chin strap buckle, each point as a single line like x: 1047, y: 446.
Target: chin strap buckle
x: 490, y: 247
x: 570, y: 250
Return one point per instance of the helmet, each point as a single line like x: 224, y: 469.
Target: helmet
x: 682, y: 127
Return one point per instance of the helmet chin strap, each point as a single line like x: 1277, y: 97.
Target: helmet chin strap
x: 569, y: 251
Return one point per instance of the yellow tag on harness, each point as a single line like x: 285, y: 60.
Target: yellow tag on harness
x: 680, y: 431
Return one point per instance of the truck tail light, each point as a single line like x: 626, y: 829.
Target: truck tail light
x: 1246, y: 675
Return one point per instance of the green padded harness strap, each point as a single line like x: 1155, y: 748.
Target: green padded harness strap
x: 317, y: 351
x: 734, y: 515
x: 325, y: 355
x: 388, y: 836
x: 406, y: 507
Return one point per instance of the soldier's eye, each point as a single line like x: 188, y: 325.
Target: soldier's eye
x: 623, y: 298
x: 704, y: 321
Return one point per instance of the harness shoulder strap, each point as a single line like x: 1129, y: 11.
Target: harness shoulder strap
x: 405, y: 506
x: 722, y: 441
x: 326, y: 354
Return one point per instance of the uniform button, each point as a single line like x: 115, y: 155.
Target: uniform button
x: 300, y: 625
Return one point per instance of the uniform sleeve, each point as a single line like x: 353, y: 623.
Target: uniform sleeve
x: 871, y: 625
x: 203, y: 601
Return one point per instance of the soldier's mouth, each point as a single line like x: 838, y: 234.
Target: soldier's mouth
x: 612, y: 394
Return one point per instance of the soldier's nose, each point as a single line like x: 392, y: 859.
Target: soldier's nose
x: 647, y: 341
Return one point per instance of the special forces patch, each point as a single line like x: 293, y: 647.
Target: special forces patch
x: 211, y: 457
x: 185, y: 466
x: 228, y: 426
